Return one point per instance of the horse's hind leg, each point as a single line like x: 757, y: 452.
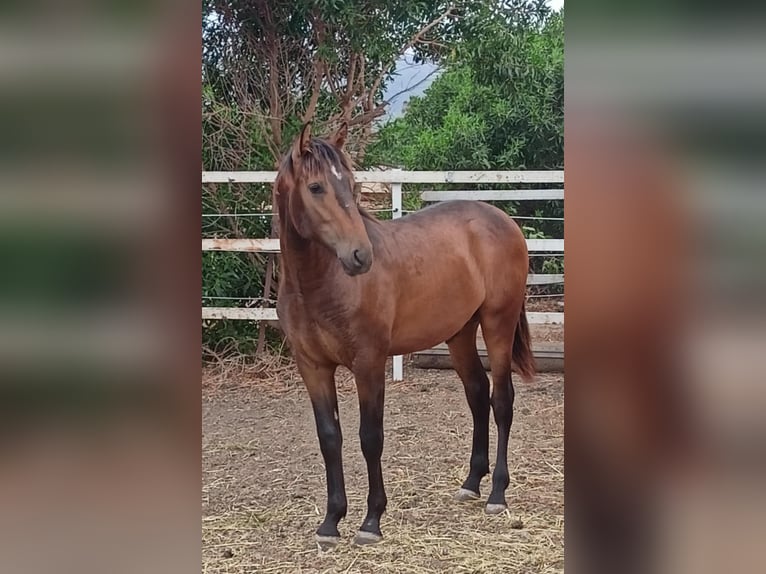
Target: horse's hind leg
x: 498, y: 329
x: 467, y: 364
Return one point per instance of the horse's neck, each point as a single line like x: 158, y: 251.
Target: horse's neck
x: 305, y: 263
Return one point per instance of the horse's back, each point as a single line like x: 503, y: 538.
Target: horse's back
x: 463, y: 218
x: 472, y: 230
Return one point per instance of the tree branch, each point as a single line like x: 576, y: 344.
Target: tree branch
x: 413, y: 86
x: 368, y: 116
x: 318, y: 68
x: 318, y: 72
x: 417, y: 37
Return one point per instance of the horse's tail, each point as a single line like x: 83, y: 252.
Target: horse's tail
x: 522, y: 348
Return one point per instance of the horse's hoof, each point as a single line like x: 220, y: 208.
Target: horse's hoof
x: 326, y: 543
x: 495, y: 508
x: 464, y: 494
x: 363, y: 537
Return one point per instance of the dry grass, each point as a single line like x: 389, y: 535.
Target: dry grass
x: 264, y: 489
x: 234, y: 370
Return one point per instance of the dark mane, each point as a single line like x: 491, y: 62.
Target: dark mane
x: 367, y: 216
x: 319, y: 154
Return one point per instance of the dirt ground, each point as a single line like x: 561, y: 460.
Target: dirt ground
x: 264, y: 487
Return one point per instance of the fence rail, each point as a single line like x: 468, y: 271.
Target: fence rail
x: 494, y: 194
x: 270, y: 314
x: 400, y: 176
x: 272, y: 245
x: 396, y: 178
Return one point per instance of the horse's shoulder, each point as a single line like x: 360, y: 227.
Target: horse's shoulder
x: 290, y: 306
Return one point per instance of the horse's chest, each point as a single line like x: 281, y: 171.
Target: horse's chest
x: 322, y: 334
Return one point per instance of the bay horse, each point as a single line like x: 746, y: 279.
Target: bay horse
x: 354, y: 290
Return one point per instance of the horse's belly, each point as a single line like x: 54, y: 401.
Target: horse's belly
x: 422, y: 328
x: 440, y: 287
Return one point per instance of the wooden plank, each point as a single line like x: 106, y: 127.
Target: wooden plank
x: 239, y: 176
x: 552, y: 348
x: 544, y: 363
x: 552, y: 176
x: 272, y: 245
x: 545, y: 278
x: 542, y: 349
x: 552, y: 245
x: 494, y: 194
x: 253, y: 245
x: 397, y: 176
x: 549, y: 356
x: 267, y: 314
x: 240, y: 313
x: 538, y: 318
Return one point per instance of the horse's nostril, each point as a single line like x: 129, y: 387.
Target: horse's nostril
x: 358, y: 259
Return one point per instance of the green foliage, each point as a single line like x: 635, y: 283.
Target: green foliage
x: 499, y: 104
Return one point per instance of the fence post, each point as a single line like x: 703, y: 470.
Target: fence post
x: 396, y: 212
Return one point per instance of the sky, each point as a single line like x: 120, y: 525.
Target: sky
x: 413, y: 79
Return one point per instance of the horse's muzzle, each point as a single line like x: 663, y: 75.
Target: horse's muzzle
x: 356, y: 261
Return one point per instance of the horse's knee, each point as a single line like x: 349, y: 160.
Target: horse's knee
x: 330, y: 437
x: 371, y: 437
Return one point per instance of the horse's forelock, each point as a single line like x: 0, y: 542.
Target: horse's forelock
x: 324, y: 156
x: 319, y: 157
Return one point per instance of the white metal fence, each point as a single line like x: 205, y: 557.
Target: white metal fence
x: 396, y: 178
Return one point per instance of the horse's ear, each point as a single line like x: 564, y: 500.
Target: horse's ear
x: 301, y: 143
x: 339, y: 139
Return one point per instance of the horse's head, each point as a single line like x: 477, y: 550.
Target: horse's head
x: 321, y: 196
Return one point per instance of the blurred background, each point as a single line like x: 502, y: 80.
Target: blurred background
x: 664, y: 141
x: 99, y: 346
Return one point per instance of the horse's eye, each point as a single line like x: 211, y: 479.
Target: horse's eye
x: 315, y: 188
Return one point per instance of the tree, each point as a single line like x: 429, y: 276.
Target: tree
x: 282, y: 63
x: 499, y: 104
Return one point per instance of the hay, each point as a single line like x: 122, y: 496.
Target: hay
x: 264, y: 490
x: 234, y: 370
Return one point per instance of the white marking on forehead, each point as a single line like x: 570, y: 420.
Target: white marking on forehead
x: 335, y: 172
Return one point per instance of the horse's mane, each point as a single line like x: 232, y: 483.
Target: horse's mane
x: 367, y: 215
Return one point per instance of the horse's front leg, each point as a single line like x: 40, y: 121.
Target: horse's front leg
x: 320, y: 383
x: 370, y: 384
